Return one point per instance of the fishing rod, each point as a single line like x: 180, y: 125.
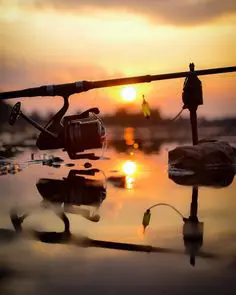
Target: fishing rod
x: 65, y: 90
x: 78, y: 133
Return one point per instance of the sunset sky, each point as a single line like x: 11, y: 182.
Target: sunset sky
x: 56, y: 41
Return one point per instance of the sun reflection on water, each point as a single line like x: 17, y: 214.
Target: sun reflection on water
x: 129, y: 168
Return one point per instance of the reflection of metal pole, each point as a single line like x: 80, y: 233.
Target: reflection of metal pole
x: 193, y: 217
x: 194, y: 205
x: 193, y: 229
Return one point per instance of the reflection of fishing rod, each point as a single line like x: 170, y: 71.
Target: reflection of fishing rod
x: 133, y: 247
x: 65, y: 237
x: 81, y: 241
x: 68, y: 89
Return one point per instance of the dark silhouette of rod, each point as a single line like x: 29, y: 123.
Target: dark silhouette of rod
x: 82, y: 86
x: 8, y: 236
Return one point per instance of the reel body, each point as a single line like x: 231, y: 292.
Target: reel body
x: 74, y: 134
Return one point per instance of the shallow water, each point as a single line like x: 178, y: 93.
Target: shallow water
x: 32, y: 267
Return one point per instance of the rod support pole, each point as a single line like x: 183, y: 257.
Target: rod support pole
x: 194, y: 126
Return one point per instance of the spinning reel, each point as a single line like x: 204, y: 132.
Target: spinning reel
x: 73, y: 134
x: 71, y: 193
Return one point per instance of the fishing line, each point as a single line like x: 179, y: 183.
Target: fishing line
x: 168, y: 205
x: 178, y: 115
x: 104, y: 136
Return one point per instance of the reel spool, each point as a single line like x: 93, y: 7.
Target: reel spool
x: 82, y: 134
x: 74, y: 134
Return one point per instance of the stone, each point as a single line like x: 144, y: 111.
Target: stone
x: 205, y: 155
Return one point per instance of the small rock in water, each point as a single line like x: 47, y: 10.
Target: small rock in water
x: 69, y: 164
x: 87, y: 165
x: 55, y: 165
x: 57, y: 159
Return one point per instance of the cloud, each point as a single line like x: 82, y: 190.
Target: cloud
x: 184, y: 12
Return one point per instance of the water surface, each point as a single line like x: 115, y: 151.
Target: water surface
x: 34, y: 267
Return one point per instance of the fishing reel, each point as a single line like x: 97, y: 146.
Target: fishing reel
x: 74, y: 134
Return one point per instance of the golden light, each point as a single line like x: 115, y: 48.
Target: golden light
x: 129, y: 182
x: 129, y: 135
x: 128, y: 93
x: 136, y: 145
x: 129, y: 167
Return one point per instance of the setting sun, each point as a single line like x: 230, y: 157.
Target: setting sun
x: 128, y: 93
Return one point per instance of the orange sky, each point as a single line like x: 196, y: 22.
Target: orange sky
x: 50, y: 42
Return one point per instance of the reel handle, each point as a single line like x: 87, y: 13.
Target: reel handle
x: 15, y: 113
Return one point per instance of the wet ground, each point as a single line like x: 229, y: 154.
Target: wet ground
x: 31, y: 266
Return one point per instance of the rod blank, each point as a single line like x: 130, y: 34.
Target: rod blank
x: 68, y: 89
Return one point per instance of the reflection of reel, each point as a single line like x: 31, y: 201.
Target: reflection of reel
x: 15, y: 113
x: 94, y: 217
x: 73, y: 190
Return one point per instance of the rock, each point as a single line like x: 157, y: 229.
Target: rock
x: 205, y: 155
